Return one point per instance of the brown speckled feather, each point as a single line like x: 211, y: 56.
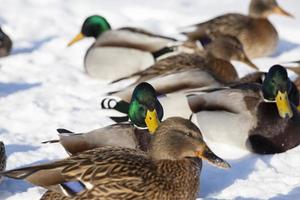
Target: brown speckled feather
x: 131, y: 173
x: 257, y: 35
x: 176, y: 73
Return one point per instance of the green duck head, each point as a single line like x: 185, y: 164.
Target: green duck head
x: 278, y: 87
x: 145, y: 109
x: 93, y: 26
x: 264, y: 8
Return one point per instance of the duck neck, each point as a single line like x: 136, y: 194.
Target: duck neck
x: 257, y: 15
x: 257, y: 10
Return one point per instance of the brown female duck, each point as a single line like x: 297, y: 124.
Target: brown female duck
x: 186, y: 71
x: 258, y: 36
x: 172, y: 163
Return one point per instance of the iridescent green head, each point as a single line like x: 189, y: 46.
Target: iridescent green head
x: 145, y: 109
x: 93, y: 26
x: 278, y: 87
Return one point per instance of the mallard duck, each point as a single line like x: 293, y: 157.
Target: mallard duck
x: 144, y: 110
x: 5, y: 44
x: 245, y: 115
x: 185, y: 71
x: 2, y: 158
x: 259, y: 117
x: 172, y: 163
x: 258, y: 36
x: 120, y: 52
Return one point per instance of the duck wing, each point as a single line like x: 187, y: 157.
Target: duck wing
x: 129, y: 39
x: 101, y: 167
x: 230, y: 24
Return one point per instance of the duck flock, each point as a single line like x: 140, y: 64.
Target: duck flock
x: 171, y: 106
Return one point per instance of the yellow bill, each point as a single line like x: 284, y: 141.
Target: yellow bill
x: 205, y: 153
x: 152, y: 121
x: 278, y: 10
x: 78, y: 37
x: 283, y: 105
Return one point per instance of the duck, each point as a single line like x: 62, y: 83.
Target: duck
x: 260, y: 118
x: 257, y: 34
x: 210, y: 67
x: 5, y: 44
x: 173, y: 161
x: 248, y: 109
x: 120, y: 52
x: 144, y: 111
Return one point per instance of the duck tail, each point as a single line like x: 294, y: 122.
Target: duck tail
x: 163, y: 51
x: 120, y: 106
x: 62, y: 131
x: 50, y: 141
x: 131, y: 76
x: 21, y: 173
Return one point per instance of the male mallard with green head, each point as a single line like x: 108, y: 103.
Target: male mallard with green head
x: 258, y: 36
x: 187, y: 71
x: 119, y: 52
x: 143, y: 111
x: 260, y: 117
x: 5, y: 44
x: 163, y: 173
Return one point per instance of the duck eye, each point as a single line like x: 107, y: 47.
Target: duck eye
x: 189, y: 134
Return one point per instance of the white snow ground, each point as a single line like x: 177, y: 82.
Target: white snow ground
x: 43, y: 87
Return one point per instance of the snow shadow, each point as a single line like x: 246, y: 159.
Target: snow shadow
x: 214, y: 180
x: 10, y: 186
x: 10, y: 88
x: 34, y: 45
x: 292, y: 195
x: 14, y: 148
x: 284, y: 46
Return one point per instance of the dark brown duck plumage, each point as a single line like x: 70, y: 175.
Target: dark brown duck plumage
x: 172, y: 163
x: 258, y: 36
x: 246, y: 119
x: 5, y: 44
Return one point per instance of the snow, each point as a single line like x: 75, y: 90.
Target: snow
x: 43, y: 87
